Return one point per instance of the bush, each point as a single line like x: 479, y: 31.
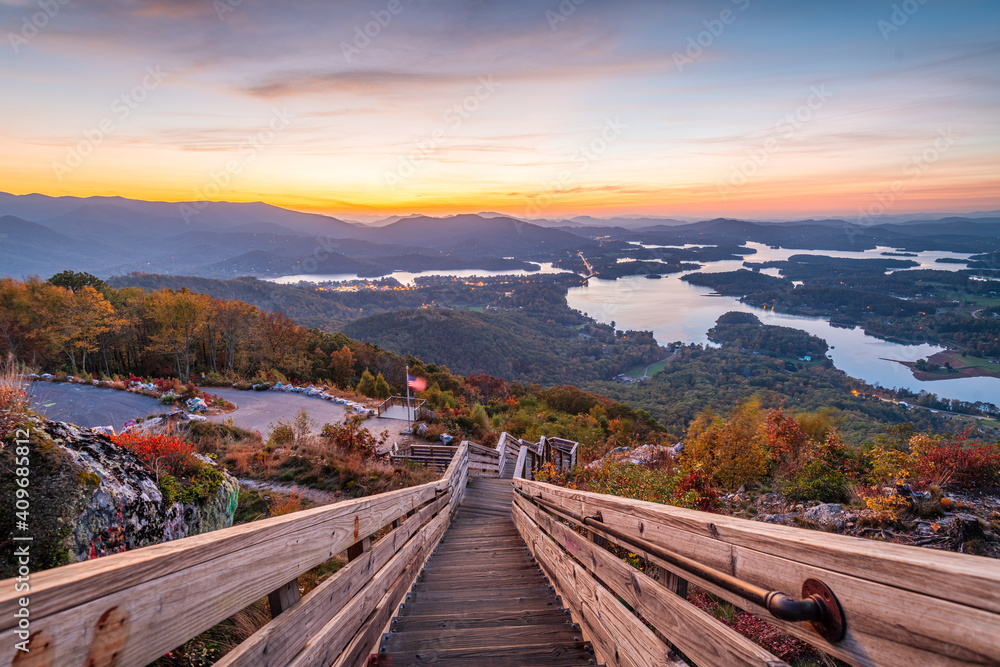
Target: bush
x: 964, y: 464
x: 381, y: 389
x: 13, y: 397
x: 366, y: 387
x: 282, y: 434
x: 695, y: 491
x: 161, y: 453
x: 818, y: 481
x: 731, y: 452
x: 350, y: 436
x: 165, y: 386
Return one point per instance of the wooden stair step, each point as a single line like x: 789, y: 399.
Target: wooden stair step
x: 424, y: 641
x: 569, y: 654
x: 475, y: 609
x: 507, y: 594
x: 478, y: 583
x: 482, y: 619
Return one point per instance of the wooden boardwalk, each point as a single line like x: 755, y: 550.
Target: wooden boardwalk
x: 482, y: 600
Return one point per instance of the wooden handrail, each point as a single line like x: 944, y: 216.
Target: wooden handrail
x: 900, y: 604
x: 131, y: 608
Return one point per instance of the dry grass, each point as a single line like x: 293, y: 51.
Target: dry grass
x: 14, y: 400
x: 308, y: 461
x: 285, y: 503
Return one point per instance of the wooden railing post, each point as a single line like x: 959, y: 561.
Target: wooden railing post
x: 358, y: 548
x: 284, y: 598
x: 676, y: 584
x: 522, y: 458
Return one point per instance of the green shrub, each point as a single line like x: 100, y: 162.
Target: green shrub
x: 366, y: 387
x: 381, y: 389
x: 282, y: 434
x: 818, y: 481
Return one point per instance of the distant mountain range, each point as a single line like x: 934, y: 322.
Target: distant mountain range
x: 41, y: 235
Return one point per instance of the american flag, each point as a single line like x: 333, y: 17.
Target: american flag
x: 416, y: 383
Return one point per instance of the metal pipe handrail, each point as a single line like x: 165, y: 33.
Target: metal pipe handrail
x: 819, y: 606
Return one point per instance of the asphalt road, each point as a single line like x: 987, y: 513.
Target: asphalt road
x: 260, y: 410
x: 88, y: 406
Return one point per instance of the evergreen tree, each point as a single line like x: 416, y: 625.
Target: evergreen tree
x: 381, y: 388
x: 366, y: 387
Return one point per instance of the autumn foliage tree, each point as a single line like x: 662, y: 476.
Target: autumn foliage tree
x: 731, y: 452
x: 77, y: 324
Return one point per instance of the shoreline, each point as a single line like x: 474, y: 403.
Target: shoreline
x: 959, y: 369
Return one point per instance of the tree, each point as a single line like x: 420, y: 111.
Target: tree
x: 180, y: 318
x: 342, y: 366
x: 280, y: 342
x: 60, y: 329
x: 75, y: 281
x: 233, y: 320
x: 17, y: 320
x: 731, y: 452
x: 381, y: 389
x: 366, y: 387
x: 94, y: 317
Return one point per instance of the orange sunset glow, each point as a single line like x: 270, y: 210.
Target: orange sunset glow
x: 624, y: 108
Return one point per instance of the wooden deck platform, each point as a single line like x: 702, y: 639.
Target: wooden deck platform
x: 482, y: 599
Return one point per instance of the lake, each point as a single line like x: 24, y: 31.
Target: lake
x: 408, y: 277
x: 675, y: 310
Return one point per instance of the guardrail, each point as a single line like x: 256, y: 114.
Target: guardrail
x: 419, y: 406
x: 131, y: 608
x: 863, y: 601
x: 487, y: 462
x: 432, y: 457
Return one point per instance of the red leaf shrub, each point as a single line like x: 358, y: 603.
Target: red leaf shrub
x: 696, y: 489
x: 160, y: 452
x: 962, y: 463
x: 165, y: 386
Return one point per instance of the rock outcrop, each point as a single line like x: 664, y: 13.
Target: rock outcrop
x: 90, y: 498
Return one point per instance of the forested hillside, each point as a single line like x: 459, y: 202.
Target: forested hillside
x: 698, y: 379
x: 512, y: 345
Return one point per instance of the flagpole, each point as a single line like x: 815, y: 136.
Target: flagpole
x: 409, y: 414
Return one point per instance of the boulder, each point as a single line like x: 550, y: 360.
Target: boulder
x: 91, y: 498
x: 827, y: 514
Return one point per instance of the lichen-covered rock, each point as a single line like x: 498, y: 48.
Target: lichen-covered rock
x: 827, y: 514
x: 90, y: 498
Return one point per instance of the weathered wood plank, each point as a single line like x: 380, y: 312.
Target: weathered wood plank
x: 700, y: 636
x: 278, y: 642
x: 284, y: 598
x: 161, y: 589
x: 565, y: 654
x: 366, y: 640
x: 325, y: 646
x: 519, y: 467
x: 620, y: 638
x: 972, y: 581
x: 886, y: 624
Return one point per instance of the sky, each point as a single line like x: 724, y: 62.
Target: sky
x: 534, y: 108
